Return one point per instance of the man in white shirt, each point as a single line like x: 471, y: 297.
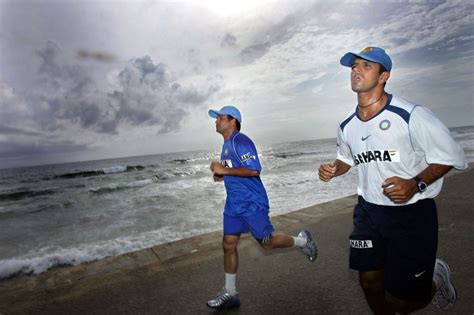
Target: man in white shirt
x: 401, y: 150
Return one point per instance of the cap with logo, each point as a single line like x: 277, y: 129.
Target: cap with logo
x: 227, y: 110
x: 374, y: 54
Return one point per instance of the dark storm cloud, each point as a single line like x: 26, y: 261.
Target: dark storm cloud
x: 13, y: 115
x: 254, y: 52
x: 66, y: 92
x: 95, y: 55
x: 229, y: 41
x: 148, y: 95
x: 192, y: 96
x: 10, y: 149
x: 67, y: 95
x: 7, y: 130
x: 273, y: 35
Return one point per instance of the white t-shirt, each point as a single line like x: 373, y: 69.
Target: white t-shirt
x: 401, y: 140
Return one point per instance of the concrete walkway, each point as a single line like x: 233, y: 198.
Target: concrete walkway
x: 178, y: 278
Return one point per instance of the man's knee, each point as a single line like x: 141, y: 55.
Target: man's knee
x: 404, y: 306
x: 267, y: 242
x: 371, y: 281
x: 229, y: 243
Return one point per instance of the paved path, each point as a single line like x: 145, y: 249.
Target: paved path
x: 178, y: 278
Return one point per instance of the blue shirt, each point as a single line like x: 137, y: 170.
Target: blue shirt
x: 245, y: 195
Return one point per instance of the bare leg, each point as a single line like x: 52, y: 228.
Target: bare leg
x: 373, y: 286
x: 403, y: 306
x: 278, y: 240
x: 228, y: 297
x: 231, y: 257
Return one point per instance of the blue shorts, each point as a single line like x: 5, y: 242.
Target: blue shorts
x: 401, y: 241
x: 258, y: 225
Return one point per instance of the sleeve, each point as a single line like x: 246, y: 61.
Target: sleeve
x: 344, y: 152
x: 246, y: 153
x: 430, y: 136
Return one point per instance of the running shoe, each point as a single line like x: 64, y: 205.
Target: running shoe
x: 309, y: 248
x: 446, y: 295
x: 224, y: 301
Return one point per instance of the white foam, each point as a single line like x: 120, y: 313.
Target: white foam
x: 115, y: 169
x: 291, y: 191
x: 49, y: 257
x: 112, y: 187
x: 140, y: 183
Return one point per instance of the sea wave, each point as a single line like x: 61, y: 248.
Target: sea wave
x: 180, y: 172
x: 285, y: 155
x: 25, y: 211
x: 120, y: 187
x: 109, y: 170
x: 295, y: 154
x: 61, y: 257
x: 179, y: 161
x: 24, y: 193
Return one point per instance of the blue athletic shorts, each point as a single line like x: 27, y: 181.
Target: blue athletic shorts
x: 258, y: 225
x: 401, y: 240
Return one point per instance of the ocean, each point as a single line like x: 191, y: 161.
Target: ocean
x: 67, y: 214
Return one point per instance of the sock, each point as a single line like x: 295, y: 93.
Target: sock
x: 230, y: 283
x: 299, y: 241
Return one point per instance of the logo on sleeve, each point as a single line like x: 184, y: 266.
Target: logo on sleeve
x: 247, y: 156
x: 226, y: 163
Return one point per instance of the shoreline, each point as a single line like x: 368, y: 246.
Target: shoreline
x: 187, y: 246
x: 65, y: 285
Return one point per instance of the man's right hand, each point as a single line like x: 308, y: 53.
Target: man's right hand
x: 327, y: 171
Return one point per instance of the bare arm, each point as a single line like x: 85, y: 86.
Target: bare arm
x: 219, y: 170
x: 434, y: 172
x: 329, y: 170
x: 402, y: 189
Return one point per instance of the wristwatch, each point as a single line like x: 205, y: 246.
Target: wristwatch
x: 420, y: 183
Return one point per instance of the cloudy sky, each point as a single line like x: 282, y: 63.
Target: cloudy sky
x: 83, y: 80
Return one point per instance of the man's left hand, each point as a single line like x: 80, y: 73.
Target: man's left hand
x: 399, y: 190
x: 218, y: 178
x: 217, y: 168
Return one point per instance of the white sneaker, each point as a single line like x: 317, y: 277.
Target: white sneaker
x: 446, y: 295
x: 309, y: 248
x: 224, y: 300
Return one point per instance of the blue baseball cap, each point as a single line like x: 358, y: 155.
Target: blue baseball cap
x: 373, y: 54
x: 228, y: 110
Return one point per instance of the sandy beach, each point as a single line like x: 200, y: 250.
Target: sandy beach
x: 178, y: 278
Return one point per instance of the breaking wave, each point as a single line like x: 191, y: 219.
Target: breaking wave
x: 60, y: 257
x: 24, y: 193
x: 120, y: 187
x: 179, y: 161
x: 109, y: 170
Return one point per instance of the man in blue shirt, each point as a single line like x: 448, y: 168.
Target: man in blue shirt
x: 246, y: 208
